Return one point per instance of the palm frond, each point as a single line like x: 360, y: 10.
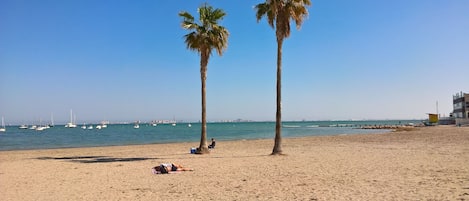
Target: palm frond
x: 280, y: 12
x: 187, y: 16
x: 208, y: 34
x: 265, y: 9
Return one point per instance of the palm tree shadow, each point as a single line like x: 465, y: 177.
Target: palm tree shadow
x: 96, y: 159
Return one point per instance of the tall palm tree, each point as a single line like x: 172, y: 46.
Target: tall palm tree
x: 203, y: 38
x: 278, y: 14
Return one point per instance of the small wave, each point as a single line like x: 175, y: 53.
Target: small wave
x: 291, y: 126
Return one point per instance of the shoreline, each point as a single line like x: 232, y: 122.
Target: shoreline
x: 425, y: 163
x: 60, y: 137
x: 198, y: 142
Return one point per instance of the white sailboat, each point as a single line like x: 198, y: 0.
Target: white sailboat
x: 3, y: 129
x: 41, y: 128
x: 104, y: 124
x: 173, y: 122
x: 51, y: 121
x: 71, y: 124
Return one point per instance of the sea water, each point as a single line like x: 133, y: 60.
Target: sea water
x: 125, y: 134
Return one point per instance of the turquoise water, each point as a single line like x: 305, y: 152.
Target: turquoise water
x: 125, y: 134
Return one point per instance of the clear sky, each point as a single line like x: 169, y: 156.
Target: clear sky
x: 123, y: 60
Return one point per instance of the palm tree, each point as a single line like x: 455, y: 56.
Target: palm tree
x: 203, y: 38
x: 278, y: 14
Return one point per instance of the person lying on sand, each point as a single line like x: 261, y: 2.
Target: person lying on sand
x: 167, y: 168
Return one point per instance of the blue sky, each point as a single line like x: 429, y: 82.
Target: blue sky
x: 126, y: 60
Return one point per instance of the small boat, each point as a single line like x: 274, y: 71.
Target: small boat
x: 23, y: 127
x: 84, y: 126
x: 98, y: 127
x: 51, y: 121
x: 3, y: 129
x: 90, y: 127
x: 189, y: 125
x: 33, y: 127
x: 136, y: 126
x: 103, y: 124
x: 40, y: 128
x: 70, y: 124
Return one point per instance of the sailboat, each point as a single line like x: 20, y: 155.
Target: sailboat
x: 136, y: 125
x: 3, y: 129
x: 51, y: 120
x: 41, y: 127
x: 70, y: 124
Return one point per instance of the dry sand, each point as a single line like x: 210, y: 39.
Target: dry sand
x: 430, y: 163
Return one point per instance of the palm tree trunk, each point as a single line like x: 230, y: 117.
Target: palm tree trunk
x: 203, y: 148
x: 278, y: 117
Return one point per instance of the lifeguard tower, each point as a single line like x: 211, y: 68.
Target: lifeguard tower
x: 432, y: 119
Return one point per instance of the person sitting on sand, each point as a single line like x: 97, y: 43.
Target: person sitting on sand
x: 212, y: 146
x: 167, y: 168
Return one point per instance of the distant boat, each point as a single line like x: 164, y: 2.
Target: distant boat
x: 103, y: 124
x: 136, y: 126
x: 90, y: 127
x: 83, y: 127
x: 23, y: 127
x: 3, y: 129
x: 174, y: 122
x: 71, y: 124
x: 51, y: 121
x: 189, y: 125
x: 40, y: 128
x: 33, y: 127
x: 313, y: 126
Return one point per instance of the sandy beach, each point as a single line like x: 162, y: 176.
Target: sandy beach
x: 430, y: 163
